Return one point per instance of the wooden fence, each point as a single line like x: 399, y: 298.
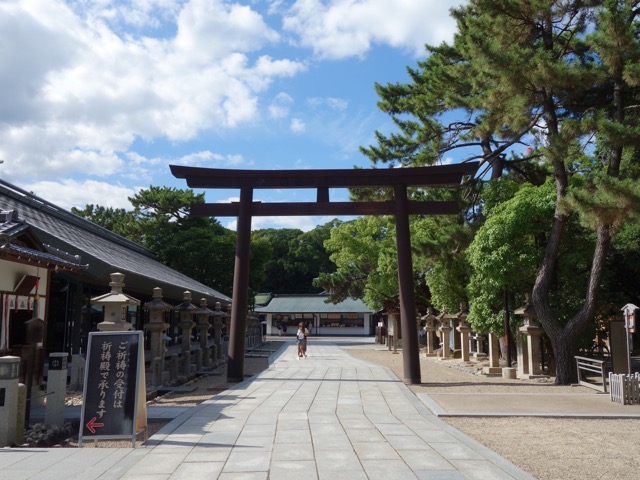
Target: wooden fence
x: 624, y: 389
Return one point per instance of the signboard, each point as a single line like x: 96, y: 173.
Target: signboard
x: 114, y: 387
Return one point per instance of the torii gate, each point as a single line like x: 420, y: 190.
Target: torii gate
x: 401, y: 207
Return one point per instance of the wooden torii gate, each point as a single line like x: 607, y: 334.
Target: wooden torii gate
x: 401, y: 207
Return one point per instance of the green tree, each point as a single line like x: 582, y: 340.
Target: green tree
x: 296, y: 258
x: 553, y: 75
x: 160, y: 221
x: 117, y: 220
x: 363, y: 251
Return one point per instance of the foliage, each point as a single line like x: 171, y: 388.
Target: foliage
x: 505, y: 253
x: 294, y: 258
x: 363, y: 251
x: 198, y: 247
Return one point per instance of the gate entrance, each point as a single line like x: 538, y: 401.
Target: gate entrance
x: 397, y: 179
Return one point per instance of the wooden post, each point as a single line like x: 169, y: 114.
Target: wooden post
x: 235, y: 366
x: 410, y: 348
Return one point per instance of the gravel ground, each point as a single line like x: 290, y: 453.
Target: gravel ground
x: 546, y: 448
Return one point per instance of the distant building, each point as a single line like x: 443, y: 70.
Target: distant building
x: 350, y: 317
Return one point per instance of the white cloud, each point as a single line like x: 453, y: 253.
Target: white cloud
x: 302, y: 223
x: 332, y: 102
x: 70, y: 193
x: 209, y: 159
x: 78, y: 88
x: 280, y: 105
x: 297, y: 125
x: 348, y: 28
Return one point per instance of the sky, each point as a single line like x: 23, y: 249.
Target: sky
x: 99, y: 97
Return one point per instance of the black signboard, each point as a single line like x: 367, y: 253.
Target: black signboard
x: 114, y: 380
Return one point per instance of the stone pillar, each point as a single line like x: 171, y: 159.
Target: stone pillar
x: 479, y: 354
x: 9, y: 374
x: 445, y: 330
x: 522, y: 357
x: 22, y: 410
x: 227, y: 330
x: 494, y: 355
x: 464, y: 330
x: 533, y: 333
x: 529, y: 355
x: 186, y: 310
x: 116, y: 306
x: 204, y: 314
x: 429, y: 331
x: 56, y: 389
x: 157, y: 328
x: 218, y: 319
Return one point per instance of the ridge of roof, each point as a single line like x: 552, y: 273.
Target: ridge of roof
x: 49, y: 208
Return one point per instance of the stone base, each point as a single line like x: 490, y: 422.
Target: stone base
x: 480, y: 356
x: 508, y: 372
x: 491, y: 370
x: 526, y: 376
x: 430, y: 354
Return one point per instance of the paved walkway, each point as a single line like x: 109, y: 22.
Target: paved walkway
x: 328, y: 416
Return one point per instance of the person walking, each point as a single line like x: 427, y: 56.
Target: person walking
x: 301, y: 339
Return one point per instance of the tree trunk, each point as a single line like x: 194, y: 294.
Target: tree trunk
x: 564, y: 349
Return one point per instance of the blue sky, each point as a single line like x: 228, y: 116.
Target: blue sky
x: 98, y: 97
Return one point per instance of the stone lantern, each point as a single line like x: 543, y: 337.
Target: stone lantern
x: 465, y: 329
x: 445, y: 331
x: 393, y: 329
x: 186, y: 309
x: 226, y: 330
x: 116, y: 306
x: 157, y: 327
x: 204, y: 314
x: 429, y: 331
x: 253, y: 325
x: 528, y: 342
x: 218, y: 319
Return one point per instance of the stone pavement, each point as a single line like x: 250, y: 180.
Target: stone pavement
x: 328, y: 416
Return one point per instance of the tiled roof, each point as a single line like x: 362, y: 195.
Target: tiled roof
x: 312, y: 304
x: 12, y: 228
x: 104, y: 251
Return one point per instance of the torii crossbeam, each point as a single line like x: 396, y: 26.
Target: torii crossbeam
x: 398, y: 179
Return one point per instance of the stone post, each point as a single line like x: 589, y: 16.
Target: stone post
x: 479, y: 354
x: 227, y: 331
x: 529, y: 341
x: 494, y: 355
x: 445, y: 330
x: 9, y: 373
x: 56, y: 389
x: 186, y: 309
x: 429, y: 330
x: 204, y: 314
x: 522, y: 355
x: 116, y: 306
x: 218, y: 318
x: 464, y: 330
x: 157, y: 328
